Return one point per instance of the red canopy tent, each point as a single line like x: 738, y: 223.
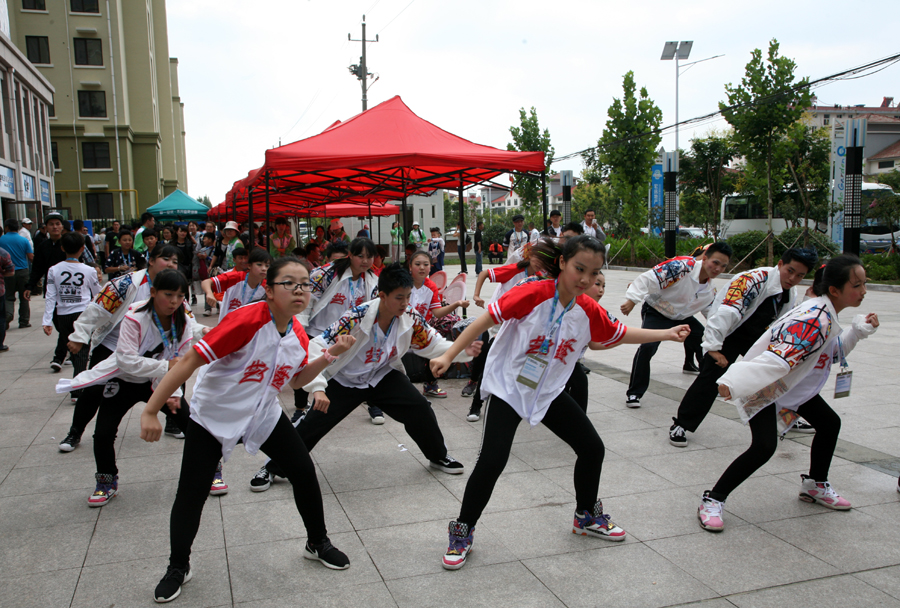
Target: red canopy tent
x: 383, y: 154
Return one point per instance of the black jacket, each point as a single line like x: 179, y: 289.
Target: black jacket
x: 47, y: 254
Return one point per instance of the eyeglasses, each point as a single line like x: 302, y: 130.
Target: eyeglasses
x: 291, y: 286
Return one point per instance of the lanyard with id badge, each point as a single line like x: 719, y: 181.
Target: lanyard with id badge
x: 844, y: 377
x: 535, y: 365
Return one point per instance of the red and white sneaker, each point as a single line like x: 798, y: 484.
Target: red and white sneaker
x: 107, y: 487
x: 710, y: 513
x: 460, y: 546
x: 597, y: 524
x: 822, y: 493
x: 219, y: 486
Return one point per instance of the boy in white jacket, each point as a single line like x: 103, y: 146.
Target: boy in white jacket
x: 737, y: 318
x: 672, y: 293
x: 385, y: 329
x: 781, y: 377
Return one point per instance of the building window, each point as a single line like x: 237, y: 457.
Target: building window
x: 88, y: 51
x: 95, y: 155
x: 885, y: 164
x: 34, y: 5
x: 38, y: 49
x: 51, y: 110
x: 92, y: 104
x: 54, y: 154
x: 99, y: 206
x: 826, y: 119
x: 85, y: 6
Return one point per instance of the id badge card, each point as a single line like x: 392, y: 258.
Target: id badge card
x: 532, y: 372
x: 842, y: 384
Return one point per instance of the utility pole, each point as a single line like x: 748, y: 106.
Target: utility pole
x: 360, y: 70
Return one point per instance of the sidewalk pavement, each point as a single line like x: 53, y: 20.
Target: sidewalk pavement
x: 388, y: 511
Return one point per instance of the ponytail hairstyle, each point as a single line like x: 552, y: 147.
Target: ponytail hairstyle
x: 169, y: 280
x: 358, y: 246
x: 546, y: 252
x: 836, y: 273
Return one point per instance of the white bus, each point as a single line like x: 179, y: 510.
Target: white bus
x: 740, y: 213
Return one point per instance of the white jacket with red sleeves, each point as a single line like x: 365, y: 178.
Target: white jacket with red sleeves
x: 413, y: 333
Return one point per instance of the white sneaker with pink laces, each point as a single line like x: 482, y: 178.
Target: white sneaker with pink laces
x: 710, y: 513
x: 822, y: 493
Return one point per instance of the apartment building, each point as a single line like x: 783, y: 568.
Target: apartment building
x: 116, y: 122
x: 26, y: 171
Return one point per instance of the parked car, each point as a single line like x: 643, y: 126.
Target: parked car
x: 688, y: 232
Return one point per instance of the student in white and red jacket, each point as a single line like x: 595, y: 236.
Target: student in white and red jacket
x: 672, y: 293
x: 154, y: 334
x: 781, y: 377
x: 426, y: 300
x: 546, y: 324
x: 239, y: 288
x: 739, y: 315
x: 338, y: 287
x: 372, y: 371
x: 248, y: 358
x: 540, y: 258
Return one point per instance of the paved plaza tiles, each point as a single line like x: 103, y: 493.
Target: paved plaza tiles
x: 388, y: 511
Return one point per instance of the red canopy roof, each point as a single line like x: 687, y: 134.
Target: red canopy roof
x: 377, y: 156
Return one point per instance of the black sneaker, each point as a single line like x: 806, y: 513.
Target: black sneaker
x: 633, y: 401
x: 584, y: 368
x: 676, y: 436
x: 448, y: 464
x: 71, y: 441
x: 262, y: 480
x: 376, y: 415
x: 172, y: 430
x: 690, y: 368
x: 326, y: 553
x: 474, y: 414
x: 297, y: 415
x: 55, y: 366
x: 802, y: 426
x: 170, y: 586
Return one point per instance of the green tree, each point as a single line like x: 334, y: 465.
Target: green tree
x: 628, y: 148
x: 807, y: 155
x: 761, y: 109
x: 528, y: 138
x: 705, y: 179
x: 204, y: 200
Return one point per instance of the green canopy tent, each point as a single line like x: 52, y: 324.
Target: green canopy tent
x: 179, y: 206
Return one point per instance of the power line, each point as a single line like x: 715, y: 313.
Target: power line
x: 395, y: 16
x: 850, y: 74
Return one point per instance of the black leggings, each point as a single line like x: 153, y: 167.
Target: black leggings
x: 577, y: 386
x: 566, y: 420
x: 764, y: 428
x: 119, y: 397
x: 478, y: 364
x: 201, y: 454
x: 65, y: 325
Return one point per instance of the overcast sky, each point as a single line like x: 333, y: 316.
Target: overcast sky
x: 251, y: 73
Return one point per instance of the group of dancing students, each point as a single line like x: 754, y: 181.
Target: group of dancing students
x: 341, y: 335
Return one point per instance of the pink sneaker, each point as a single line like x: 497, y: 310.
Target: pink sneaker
x: 710, y: 513
x: 822, y: 493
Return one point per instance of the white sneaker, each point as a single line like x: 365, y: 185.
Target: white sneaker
x: 822, y: 493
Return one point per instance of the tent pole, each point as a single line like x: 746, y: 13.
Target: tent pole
x: 544, y: 197
x: 266, y: 228
x: 233, y: 207
x: 250, y: 221
x: 370, y: 220
x: 461, y: 233
x: 405, y: 231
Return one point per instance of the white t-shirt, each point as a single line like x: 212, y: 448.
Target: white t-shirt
x: 370, y: 365
x: 235, y: 396
x: 425, y: 299
x: 143, y: 293
x: 70, y: 288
